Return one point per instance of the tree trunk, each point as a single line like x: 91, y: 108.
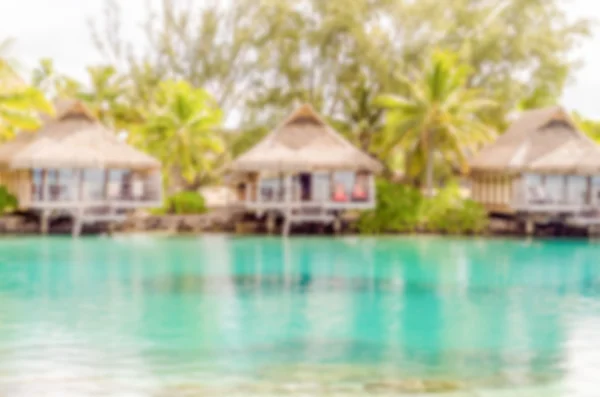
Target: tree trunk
x: 429, y: 166
x: 387, y: 173
x: 408, y: 177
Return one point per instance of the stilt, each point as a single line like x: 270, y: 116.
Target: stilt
x: 321, y: 228
x: 45, y: 222
x: 111, y: 228
x: 77, y: 226
x: 77, y: 223
x: 270, y: 223
x: 337, y: 226
x: 529, y: 227
x: 287, y: 224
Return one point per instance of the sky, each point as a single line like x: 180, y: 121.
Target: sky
x: 60, y: 29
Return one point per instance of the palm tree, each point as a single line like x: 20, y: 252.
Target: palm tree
x: 20, y: 104
x: 53, y: 84
x: 107, y: 93
x: 435, y: 118
x: 181, y: 129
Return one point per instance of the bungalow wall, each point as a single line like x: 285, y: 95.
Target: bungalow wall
x: 18, y: 183
x: 322, y: 184
x: 494, y: 191
x: 67, y: 185
x: 270, y: 187
x: 245, y: 186
x: 153, y: 183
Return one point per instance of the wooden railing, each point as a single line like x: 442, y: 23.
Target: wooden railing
x: 291, y: 194
x: 524, y: 201
x: 138, y: 192
x: 279, y: 202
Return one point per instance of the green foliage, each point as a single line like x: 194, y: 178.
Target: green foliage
x: 8, y: 202
x: 448, y: 212
x: 208, y: 46
x: 53, y: 84
x: 437, y: 118
x: 397, y: 210
x: 181, y: 128
x: 170, y: 119
x: 261, y: 58
x: 539, y: 98
x: 403, y: 209
x: 183, y: 203
x: 19, y: 103
x: 238, y: 143
x: 590, y: 127
x: 107, y: 90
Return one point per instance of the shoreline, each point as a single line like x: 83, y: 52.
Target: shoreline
x: 301, y: 236
x: 224, y: 223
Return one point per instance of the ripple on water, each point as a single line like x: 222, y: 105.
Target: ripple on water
x: 264, y: 317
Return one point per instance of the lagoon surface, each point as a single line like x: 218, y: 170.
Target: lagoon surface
x: 224, y: 316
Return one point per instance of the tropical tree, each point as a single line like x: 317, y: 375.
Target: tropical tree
x: 261, y: 58
x: 435, y: 118
x: 53, y: 84
x: 20, y: 104
x: 590, y: 127
x: 181, y: 128
x: 106, y: 93
x: 540, y: 97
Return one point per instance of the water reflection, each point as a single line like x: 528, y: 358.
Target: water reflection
x: 489, y: 314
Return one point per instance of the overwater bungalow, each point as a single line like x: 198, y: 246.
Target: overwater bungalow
x: 543, y: 169
x: 304, y: 172
x: 76, y: 167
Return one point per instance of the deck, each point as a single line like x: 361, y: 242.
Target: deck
x: 89, y: 202
x: 571, y: 214
x: 302, y: 212
x: 306, y: 197
x: 263, y: 206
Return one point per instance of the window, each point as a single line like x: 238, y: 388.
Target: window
x: 321, y: 186
x: 36, y: 176
x: 555, y: 188
x: 577, y: 189
x: 62, y: 186
x: 595, y: 199
x: 534, y: 190
x: 271, y: 188
x: 94, y: 184
x: 360, y: 190
x: 342, y: 185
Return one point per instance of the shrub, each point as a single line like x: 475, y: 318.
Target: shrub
x: 8, y: 202
x: 448, y: 212
x: 474, y: 217
x: 186, y: 203
x: 403, y: 209
x: 397, y: 210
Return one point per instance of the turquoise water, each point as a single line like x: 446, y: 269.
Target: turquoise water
x: 148, y: 316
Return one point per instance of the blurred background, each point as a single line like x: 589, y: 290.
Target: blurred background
x: 243, y: 65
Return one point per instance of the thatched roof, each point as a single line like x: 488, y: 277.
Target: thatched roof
x: 539, y: 140
x: 72, y: 139
x: 304, y: 142
x: 574, y: 157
